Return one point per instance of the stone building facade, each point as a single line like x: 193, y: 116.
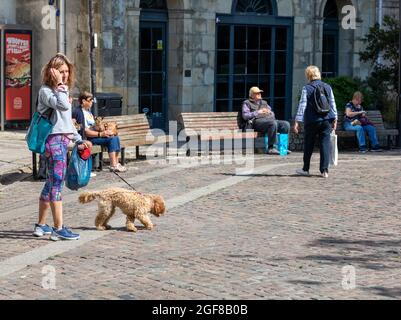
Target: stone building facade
x: 171, y: 56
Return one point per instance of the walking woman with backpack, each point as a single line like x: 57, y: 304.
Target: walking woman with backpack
x: 57, y: 79
x: 317, y: 110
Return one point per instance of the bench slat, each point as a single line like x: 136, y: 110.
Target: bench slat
x: 194, y: 123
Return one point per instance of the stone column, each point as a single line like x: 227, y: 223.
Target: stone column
x: 113, y: 48
x: 133, y: 61
x: 191, y: 61
x: 303, y: 55
x: 78, y: 43
x: 346, y: 51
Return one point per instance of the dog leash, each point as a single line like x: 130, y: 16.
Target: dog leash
x: 120, y: 177
x: 124, y: 180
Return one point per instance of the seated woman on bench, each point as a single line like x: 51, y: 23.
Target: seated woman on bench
x: 355, y: 120
x: 84, y: 117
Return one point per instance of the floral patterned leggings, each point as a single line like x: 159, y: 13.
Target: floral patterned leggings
x: 56, y: 158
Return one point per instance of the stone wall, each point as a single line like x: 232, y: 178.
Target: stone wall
x: 29, y: 12
x: 191, y: 45
x: 391, y: 8
x: 8, y: 13
x: 191, y: 61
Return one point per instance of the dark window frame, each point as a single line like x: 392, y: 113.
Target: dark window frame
x: 261, y: 21
x: 156, y: 18
x: 153, y: 4
x: 330, y: 29
x: 270, y: 4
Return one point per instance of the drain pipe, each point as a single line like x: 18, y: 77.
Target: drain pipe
x: 92, y: 56
x: 399, y: 80
x: 380, y: 12
x: 314, y: 30
x: 380, y: 22
x: 61, y: 38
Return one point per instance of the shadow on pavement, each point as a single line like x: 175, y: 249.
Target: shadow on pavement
x: 305, y: 282
x: 270, y: 175
x: 10, y: 178
x: 382, y: 254
x: 122, y: 228
x: 329, y: 242
x: 20, y: 234
x: 386, y: 292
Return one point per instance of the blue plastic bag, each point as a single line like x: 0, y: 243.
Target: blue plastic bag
x: 78, y: 171
x: 283, y: 144
x: 38, y: 132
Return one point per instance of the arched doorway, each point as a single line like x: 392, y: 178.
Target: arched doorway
x: 330, y: 40
x: 254, y: 48
x: 153, y: 62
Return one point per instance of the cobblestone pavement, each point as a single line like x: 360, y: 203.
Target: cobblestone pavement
x: 266, y: 235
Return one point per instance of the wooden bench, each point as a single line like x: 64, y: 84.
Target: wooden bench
x: 133, y: 130
x: 225, y: 124
x: 376, y: 118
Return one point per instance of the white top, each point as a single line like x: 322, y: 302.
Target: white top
x: 57, y: 99
x: 89, y: 118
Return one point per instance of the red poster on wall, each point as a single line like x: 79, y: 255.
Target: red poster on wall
x: 18, y: 76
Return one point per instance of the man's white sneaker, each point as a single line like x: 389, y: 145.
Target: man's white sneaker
x: 301, y: 172
x: 325, y: 175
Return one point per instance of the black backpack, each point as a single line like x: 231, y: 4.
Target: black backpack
x: 243, y: 124
x: 321, y: 99
x: 240, y: 121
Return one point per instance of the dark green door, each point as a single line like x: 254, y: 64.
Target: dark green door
x: 152, y: 73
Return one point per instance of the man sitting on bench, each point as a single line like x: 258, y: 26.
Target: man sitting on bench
x: 259, y: 116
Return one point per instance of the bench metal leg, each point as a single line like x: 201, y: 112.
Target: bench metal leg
x: 137, y: 152
x: 165, y: 149
x: 188, y: 153
x: 34, y: 166
x: 122, y: 160
x: 101, y: 160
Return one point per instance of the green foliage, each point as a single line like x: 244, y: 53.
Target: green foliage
x: 344, y: 88
x: 383, y: 80
x: 389, y: 110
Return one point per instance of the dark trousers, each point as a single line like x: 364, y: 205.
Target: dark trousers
x: 271, y: 127
x: 322, y: 129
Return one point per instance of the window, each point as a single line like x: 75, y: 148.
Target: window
x: 255, y: 59
x: 330, y: 40
x: 153, y: 4
x: 254, y: 6
x: 330, y: 10
x: 254, y: 48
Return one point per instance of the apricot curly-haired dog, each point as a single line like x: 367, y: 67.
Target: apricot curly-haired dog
x: 133, y: 204
x: 103, y: 125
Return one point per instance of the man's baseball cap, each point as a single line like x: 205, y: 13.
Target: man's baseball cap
x: 85, y: 154
x: 254, y: 90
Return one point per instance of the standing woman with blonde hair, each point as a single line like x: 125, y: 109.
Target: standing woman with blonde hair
x: 58, y: 76
x: 315, y: 123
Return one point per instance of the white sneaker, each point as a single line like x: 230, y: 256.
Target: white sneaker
x: 325, y: 175
x: 301, y: 172
x: 93, y: 174
x: 118, y: 168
